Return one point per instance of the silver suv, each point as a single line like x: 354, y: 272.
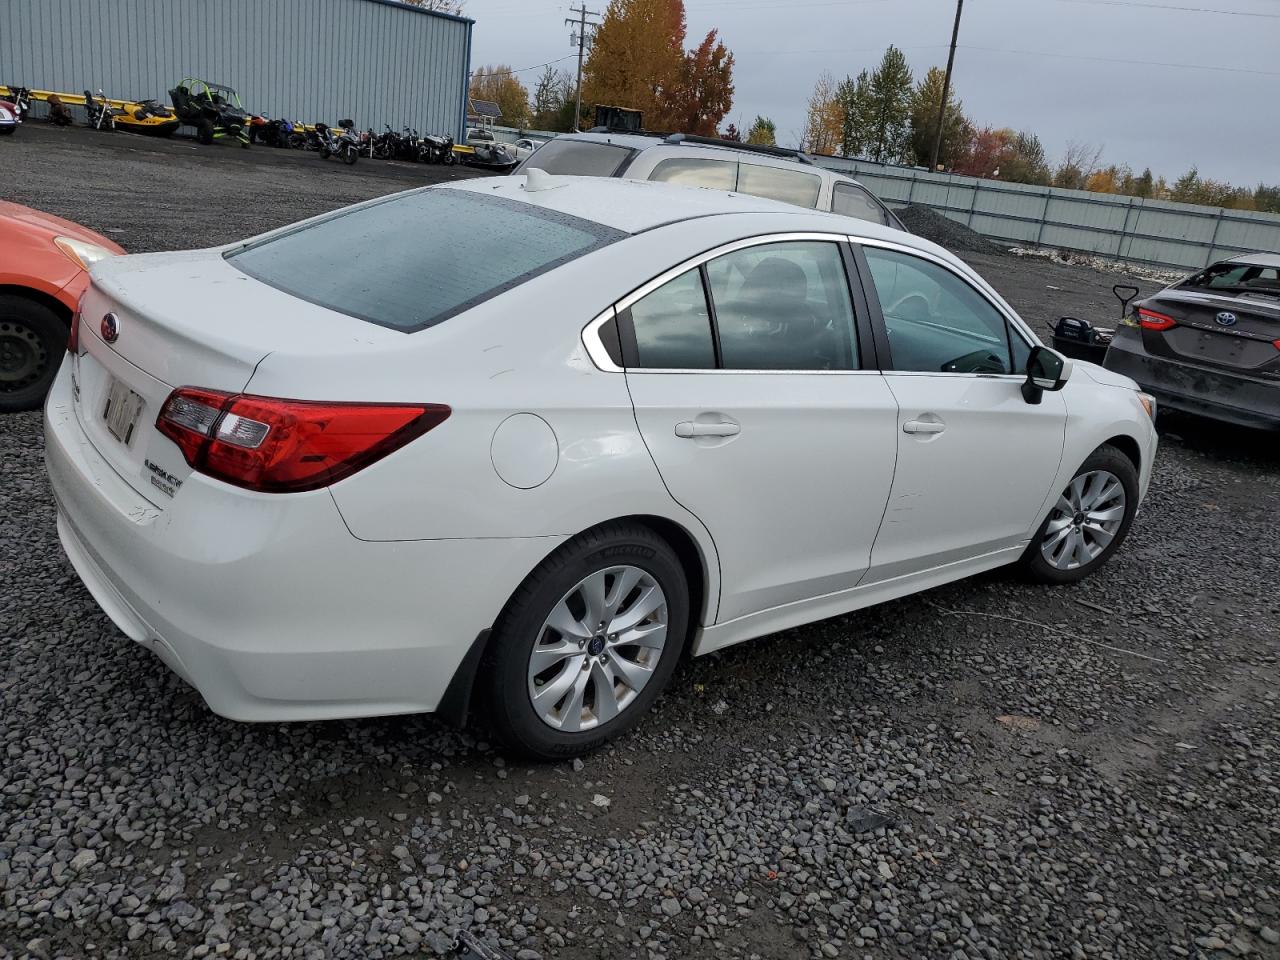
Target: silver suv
x: 786, y: 175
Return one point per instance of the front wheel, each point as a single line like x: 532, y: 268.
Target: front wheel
x: 1088, y: 522
x: 350, y: 155
x: 587, y: 643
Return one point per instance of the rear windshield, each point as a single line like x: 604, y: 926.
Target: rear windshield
x: 1236, y: 276
x: 416, y: 259
x: 579, y: 158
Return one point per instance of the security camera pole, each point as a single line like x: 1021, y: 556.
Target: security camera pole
x: 946, y: 87
x: 580, y: 36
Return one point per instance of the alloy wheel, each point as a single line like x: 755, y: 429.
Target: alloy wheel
x: 598, y: 648
x: 1084, y: 521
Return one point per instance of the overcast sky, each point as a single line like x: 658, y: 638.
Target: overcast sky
x: 1159, y: 83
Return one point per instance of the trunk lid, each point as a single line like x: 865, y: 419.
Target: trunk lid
x: 1238, y: 332
x: 181, y: 319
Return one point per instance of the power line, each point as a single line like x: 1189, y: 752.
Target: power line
x: 536, y: 66
x: 1125, y: 61
x: 1170, y: 6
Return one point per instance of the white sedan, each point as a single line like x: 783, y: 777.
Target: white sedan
x: 343, y: 470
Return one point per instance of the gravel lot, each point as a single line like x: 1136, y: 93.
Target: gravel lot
x: 986, y: 770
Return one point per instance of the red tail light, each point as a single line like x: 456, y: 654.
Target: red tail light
x: 1150, y: 320
x: 73, y: 338
x: 287, y: 446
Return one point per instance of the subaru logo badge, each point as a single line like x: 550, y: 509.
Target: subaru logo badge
x: 111, y: 328
x: 1226, y: 319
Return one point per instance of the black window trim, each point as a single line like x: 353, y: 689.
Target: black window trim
x: 1012, y: 322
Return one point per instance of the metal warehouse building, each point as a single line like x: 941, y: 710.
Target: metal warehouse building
x: 375, y: 61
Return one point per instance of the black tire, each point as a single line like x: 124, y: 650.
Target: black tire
x: 7, y: 131
x: 350, y: 155
x: 324, y: 153
x: 1033, y: 562
x: 33, y: 339
x: 204, y: 131
x: 504, y: 680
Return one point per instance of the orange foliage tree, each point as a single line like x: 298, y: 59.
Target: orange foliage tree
x: 638, y: 60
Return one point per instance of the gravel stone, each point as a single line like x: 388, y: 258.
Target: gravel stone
x: 865, y: 801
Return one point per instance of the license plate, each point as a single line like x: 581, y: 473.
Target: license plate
x: 121, y: 411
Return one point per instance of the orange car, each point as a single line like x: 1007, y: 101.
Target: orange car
x: 43, y: 271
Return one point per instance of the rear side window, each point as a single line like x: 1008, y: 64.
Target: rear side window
x: 697, y: 172
x: 850, y: 200
x: 579, y: 158
x: 1241, y: 277
x: 673, y: 326
x: 416, y: 259
x: 773, y: 183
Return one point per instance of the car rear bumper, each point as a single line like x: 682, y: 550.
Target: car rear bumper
x: 268, y: 605
x: 1189, y: 388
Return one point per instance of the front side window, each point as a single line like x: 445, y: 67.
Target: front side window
x: 783, y: 306
x: 697, y: 172
x: 579, y: 158
x: 936, y: 321
x: 672, y: 326
x: 850, y: 200
x: 775, y: 183
x: 377, y: 263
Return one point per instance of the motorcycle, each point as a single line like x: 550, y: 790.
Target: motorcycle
x: 99, y: 113
x: 439, y: 150
x: 345, y: 146
x: 270, y: 133
x: 20, y: 97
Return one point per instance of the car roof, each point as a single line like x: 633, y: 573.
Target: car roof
x: 635, y: 206
x: 653, y: 141
x: 1257, y: 259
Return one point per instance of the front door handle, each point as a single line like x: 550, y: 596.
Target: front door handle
x: 923, y: 426
x: 690, y: 429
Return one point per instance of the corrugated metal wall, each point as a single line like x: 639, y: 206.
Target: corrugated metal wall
x: 373, y: 61
x: 1154, y: 232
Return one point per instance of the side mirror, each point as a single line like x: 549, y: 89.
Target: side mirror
x: 1046, y: 370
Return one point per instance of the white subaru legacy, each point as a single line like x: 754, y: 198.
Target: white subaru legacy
x: 512, y: 448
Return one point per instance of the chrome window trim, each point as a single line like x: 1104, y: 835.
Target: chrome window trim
x: 591, y: 332
x: 982, y: 288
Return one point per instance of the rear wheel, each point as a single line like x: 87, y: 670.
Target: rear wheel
x: 350, y: 155
x: 204, y: 131
x: 1087, y: 522
x: 587, y: 643
x: 32, y: 341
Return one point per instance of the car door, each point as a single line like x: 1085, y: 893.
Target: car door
x: 748, y: 370
x: 976, y: 461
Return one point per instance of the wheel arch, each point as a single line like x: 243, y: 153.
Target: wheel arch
x: 703, y: 582
x: 1129, y: 447
x: 41, y: 297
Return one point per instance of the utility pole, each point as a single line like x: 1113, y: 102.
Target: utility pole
x: 946, y: 87
x: 580, y: 39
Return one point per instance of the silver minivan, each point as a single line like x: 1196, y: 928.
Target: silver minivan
x: 771, y: 172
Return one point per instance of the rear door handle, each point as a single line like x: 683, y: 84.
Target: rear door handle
x: 689, y: 429
x: 923, y: 426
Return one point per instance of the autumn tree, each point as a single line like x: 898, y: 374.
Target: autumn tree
x: 1024, y: 160
x: 1078, y: 164
x: 553, y: 102
x: 732, y: 133
x: 957, y: 131
x: 763, y: 132
x: 824, y: 125
x: 704, y: 94
x: 1267, y: 198
x: 499, y: 85
x: 638, y: 60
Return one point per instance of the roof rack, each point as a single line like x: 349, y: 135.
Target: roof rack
x: 781, y: 152
x: 674, y: 139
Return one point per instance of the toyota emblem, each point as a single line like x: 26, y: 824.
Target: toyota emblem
x: 111, y: 328
x: 1226, y: 319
